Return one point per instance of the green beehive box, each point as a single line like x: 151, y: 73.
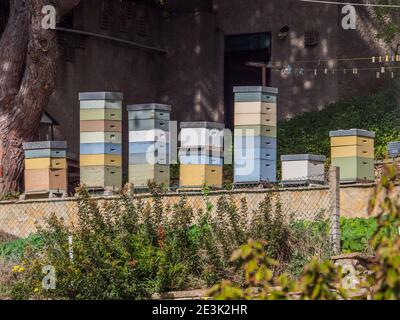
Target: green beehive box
x: 104, y: 177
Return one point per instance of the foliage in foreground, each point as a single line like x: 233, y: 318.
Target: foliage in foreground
x: 130, y: 248
x: 323, y: 280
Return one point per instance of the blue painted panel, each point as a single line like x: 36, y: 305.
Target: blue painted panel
x: 255, y: 142
x: 45, y: 153
x: 254, y: 97
x: 250, y: 154
x: 101, y: 148
x: 255, y: 171
x: 151, y: 158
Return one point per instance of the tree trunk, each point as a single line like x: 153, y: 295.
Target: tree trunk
x: 28, y: 56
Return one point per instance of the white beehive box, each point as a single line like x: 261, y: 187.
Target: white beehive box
x: 303, y: 168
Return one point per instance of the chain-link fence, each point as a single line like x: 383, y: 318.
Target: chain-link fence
x: 309, y: 200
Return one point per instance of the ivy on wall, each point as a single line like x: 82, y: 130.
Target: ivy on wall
x: 309, y: 132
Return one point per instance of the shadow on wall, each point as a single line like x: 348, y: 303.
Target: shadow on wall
x: 193, y: 71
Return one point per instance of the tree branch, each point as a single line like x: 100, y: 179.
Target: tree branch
x: 13, y: 46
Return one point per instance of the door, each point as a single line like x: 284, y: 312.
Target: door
x: 239, y: 51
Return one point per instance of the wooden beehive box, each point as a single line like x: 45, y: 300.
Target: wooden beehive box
x: 303, y: 168
x: 101, y: 140
x: 353, y: 151
x: 255, y: 132
x: 45, y: 167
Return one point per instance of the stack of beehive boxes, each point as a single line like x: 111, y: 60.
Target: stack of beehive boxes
x: 45, y: 167
x: 201, y: 154
x: 101, y: 141
x: 255, y: 134
x: 149, y: 144
x: 353, y: 151
x: 303, y: 168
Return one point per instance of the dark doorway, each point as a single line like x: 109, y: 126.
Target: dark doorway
x: 239, y: 50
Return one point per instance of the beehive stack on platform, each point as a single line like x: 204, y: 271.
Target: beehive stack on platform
x: 45, y: 167
x: 149, y: 144
x: 201, y: 154
x: 353, y: 151
x: 255, y: 131
x: 100, y: 140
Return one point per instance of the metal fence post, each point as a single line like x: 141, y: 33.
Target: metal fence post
x: 334, y: 193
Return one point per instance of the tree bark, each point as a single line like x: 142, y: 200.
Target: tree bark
x: 28, y: 56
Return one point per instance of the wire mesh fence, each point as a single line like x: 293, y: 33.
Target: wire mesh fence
x: 309, y: 200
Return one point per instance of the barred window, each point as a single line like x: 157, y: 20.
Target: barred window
x: 310, y: 39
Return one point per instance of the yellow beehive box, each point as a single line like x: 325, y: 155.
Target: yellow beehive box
x: 100, y: 160
x: 198, y: 174
x: 352, y: 151
x: 352, y: 141
x: 45, y: 163
x: 255, y: 107
x: 246, y: 119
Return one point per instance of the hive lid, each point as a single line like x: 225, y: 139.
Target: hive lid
x: 149, y: 106
x: 352, y: 132
x: 245, y: 89
x: 44, y: 145
x: 302, y: 157
x: 394, y: 144
x: 101, y: 96
x: 204, y: 124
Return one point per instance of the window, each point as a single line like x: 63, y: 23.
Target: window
x: 4, y: 12
x: 310, y: 39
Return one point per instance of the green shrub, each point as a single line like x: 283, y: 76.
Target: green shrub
x: 14, y: 250
x: 356, y: 234
x: 309, y: 132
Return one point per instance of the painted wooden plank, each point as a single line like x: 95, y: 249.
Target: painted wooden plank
x: 100, y: 125
x: 198, y: 175
x: 352, y: 141
x: 45, y: 180
x: 302, y: 170
x: 190, y: 137
x: 45, y: 163
x: 140, y: 125
x: 149, y: 136
x: 100, y: 137
x: 148, y: 114
x: 253, y: 142
x: 254, y: 97
x: 101, y: 148
x: 140, y: 175
x: 45, y: 153
x: 352, y: 151
x: 255, y: 107
x: 255, y: 119
x: 100, y: 114
x: 100, y: 160
x: 101, y: 177
x: 144, y: 147
x: 254, y: 171
x: 101, y: 104
x: 148, y: 158
x: 355, y: 168
x: 255, y: 130
x: 251, y: 154
x: 44, y: 145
